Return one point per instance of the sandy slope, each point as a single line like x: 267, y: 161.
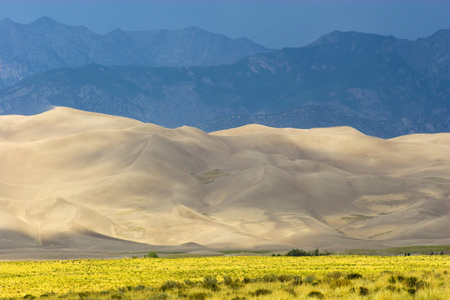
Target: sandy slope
x: 77, y: 180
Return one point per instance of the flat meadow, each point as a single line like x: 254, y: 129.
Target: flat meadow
x: 231, y: 277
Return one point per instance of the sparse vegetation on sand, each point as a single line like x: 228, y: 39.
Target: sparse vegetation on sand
x: 243, y: 277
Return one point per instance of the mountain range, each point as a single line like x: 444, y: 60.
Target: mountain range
x: 81, y: 183
x: 380, y: 85
x: 28, y: 49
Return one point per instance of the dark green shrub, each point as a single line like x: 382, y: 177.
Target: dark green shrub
x: 151, y: 255
x: 400, y: 278
x: 125, y: 288
x: 422, y: 284
x: 29, y: 296
x: 210, y: 282
x: 297, y: 252
x: 411, y: 281
x: 316, y: 294
x: 82, y: 295
x: 189, y: 282
x: 262, y: 292
x: 270, y: 278
x: 139, y: 287
x: 297, y: 280
x: 412, y: 292
x: 227, y: 280
x: 363, y: 291
x: 47, y: 294
x: 162, y: 296
x: 236, y: 285
x: 170, y: 285
x: 310, y: 278
x: 391, y: 288
x: 392, y: 279
x: 246, y: 280
x: 285, y: 278
x: 116, y: 296
x: 198, y: 296
x: 301, y: 252
x: 353, y: 276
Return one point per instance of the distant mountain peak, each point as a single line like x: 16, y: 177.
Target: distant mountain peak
x: 45, y: 44
x: 6, y: 20
x: 336, y: 37
x: 45, y: 21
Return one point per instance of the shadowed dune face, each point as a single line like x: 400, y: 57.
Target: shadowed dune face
x: 72, y: 179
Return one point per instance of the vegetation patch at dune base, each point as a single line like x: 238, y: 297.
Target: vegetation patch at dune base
x: 243, y: 277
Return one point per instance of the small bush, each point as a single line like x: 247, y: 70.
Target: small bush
x: 270, y: 278
x: 189, y: 282
x: 310, y: 278
x: 162, y: 296
x: 236, y: 285
x: 392, y: 280
x: 227, y: 280
x: 284, y: 278
x: 170, y: 285
x: 297, y: 280
x: 363, y: 291
x: 82, y: 295
x: 198, y: 296
x: 316, y: 294
x: 125, y: 289
x: 210, y: 282
x: 422, y: 284
x: 262, y: 292
x: 246, y: 280
x: 47, y: 294
x: 412, y: 292
x: 139, y: 287
x: 151, y: 255
x: 297, y: 252
x: 411, y: 281
x: 116, y: 296
x: 29, y: 296
x: 353, y: 276
x: 392, y: 288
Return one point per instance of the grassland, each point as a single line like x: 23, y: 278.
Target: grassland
x: 239, y: 277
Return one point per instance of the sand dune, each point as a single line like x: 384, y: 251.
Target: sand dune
x: 77, y: 180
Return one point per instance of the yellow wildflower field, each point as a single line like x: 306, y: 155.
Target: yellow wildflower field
x: 232, y: 277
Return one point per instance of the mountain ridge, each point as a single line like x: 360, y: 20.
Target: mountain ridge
x: 384, y: 87
x: 46, y: 44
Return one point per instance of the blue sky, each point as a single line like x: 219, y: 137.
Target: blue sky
x: 274, y: 24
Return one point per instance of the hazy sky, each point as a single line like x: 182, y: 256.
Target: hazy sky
x: 274, y: 24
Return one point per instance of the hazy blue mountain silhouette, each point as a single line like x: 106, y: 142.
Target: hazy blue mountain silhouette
x: 46, y: 44
x: 380, y: 85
